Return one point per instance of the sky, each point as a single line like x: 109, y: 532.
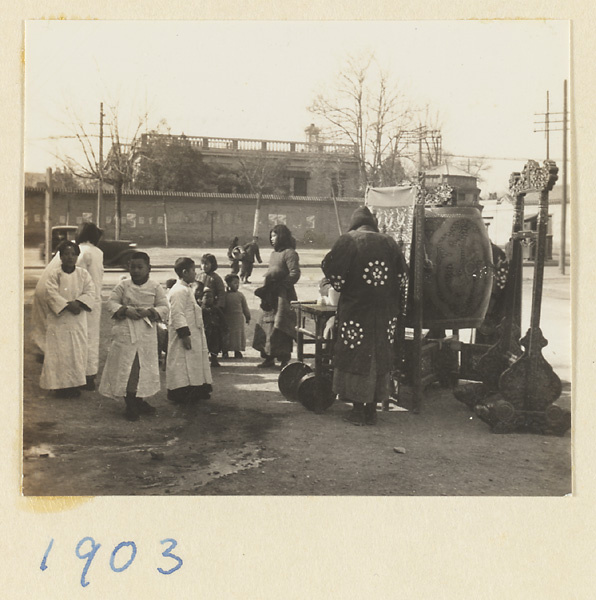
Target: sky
x: 487, y: 80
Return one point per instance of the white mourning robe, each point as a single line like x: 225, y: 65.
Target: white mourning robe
x: 65, y: 361
x: 40, y: 308
x: 131, y: 337
x: 91, y: 259
x: 186, y: 367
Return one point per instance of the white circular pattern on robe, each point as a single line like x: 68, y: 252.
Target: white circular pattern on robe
x: 391, y: 329
x: 351, y: 333
x: 376, y: 273
x: 337, y: 281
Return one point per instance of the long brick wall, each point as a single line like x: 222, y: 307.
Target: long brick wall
x: 201, y: 219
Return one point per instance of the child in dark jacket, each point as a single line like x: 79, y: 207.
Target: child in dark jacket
x: 237, y: 314
x: 215, y: 325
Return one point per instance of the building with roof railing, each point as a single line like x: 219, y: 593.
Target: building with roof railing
x: 310, y: 168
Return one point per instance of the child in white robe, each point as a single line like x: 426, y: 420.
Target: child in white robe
x: 91, y: 259
x: 69, y: 293
x: 188, y: 373
x: 132, y: 368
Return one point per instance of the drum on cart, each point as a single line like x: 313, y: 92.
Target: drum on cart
x: 458, y: 273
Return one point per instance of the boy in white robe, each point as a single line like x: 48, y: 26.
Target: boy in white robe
x: 132, y: 368
x: 70, y: 293
x: 188, y: 372
x: 91, y: 259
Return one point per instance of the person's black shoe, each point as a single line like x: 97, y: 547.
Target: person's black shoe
x: 238, y: 355
x: 90, y: 385
x: 179, y: 396
x: 370, y: 413
x: 131, y: 412
x: 202, y: 392
x: 225, y: 355
x: 356, y: 415
x: 144, y: 408
x: 268, y: 363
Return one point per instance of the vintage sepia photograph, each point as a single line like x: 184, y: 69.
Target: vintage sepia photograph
x: 297, y: 258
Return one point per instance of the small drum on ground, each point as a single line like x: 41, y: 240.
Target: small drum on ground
x: 315, y: 392
x: 290, y: 377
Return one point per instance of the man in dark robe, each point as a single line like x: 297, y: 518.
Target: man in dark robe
x: 369, y: 270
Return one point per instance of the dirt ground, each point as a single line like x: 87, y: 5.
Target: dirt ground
x: 249, y: 440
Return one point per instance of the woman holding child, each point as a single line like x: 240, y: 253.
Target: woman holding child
x: 277, y: 324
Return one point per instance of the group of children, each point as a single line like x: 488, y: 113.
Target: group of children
x: 224, y: 309
x: 203, y: 320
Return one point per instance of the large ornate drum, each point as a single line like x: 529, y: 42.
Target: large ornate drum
x: 458, y: 272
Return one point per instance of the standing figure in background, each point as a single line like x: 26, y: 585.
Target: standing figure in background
x: 215, y: 325
x: 208, y: 278
x: 91, y: 259
x: 188, y: 375
x: 369, y: 270
x: 234, y: 254
x: 237, y: 313
x: 132, y: 367
x: 276, y: 329
x: 70, y: 293
x: 251, y: 253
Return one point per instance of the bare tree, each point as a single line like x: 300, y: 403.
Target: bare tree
x: 117, y: 168
x: 366, y: 108
x: 262, y: 174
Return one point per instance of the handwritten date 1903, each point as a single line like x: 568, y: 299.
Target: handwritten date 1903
x: 121, y: 558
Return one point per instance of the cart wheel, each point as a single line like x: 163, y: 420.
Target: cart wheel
x: 307, y: 392
x: 290, y: 377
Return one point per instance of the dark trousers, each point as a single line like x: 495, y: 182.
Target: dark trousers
x: 246, y: 270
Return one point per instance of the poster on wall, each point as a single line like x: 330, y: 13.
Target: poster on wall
x: 277, y: 220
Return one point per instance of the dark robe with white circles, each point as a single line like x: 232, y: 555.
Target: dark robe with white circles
x: 369, y: 270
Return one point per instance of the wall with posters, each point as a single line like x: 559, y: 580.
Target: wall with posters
x: 200, y: 219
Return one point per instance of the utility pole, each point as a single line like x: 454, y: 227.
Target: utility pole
x: 564, y: 198
x: 421, y: 135
x: 255, y: 227
x: 100, y: 167
x: 547, y: 123
x: 48, y: 212
x: 212, y: 214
